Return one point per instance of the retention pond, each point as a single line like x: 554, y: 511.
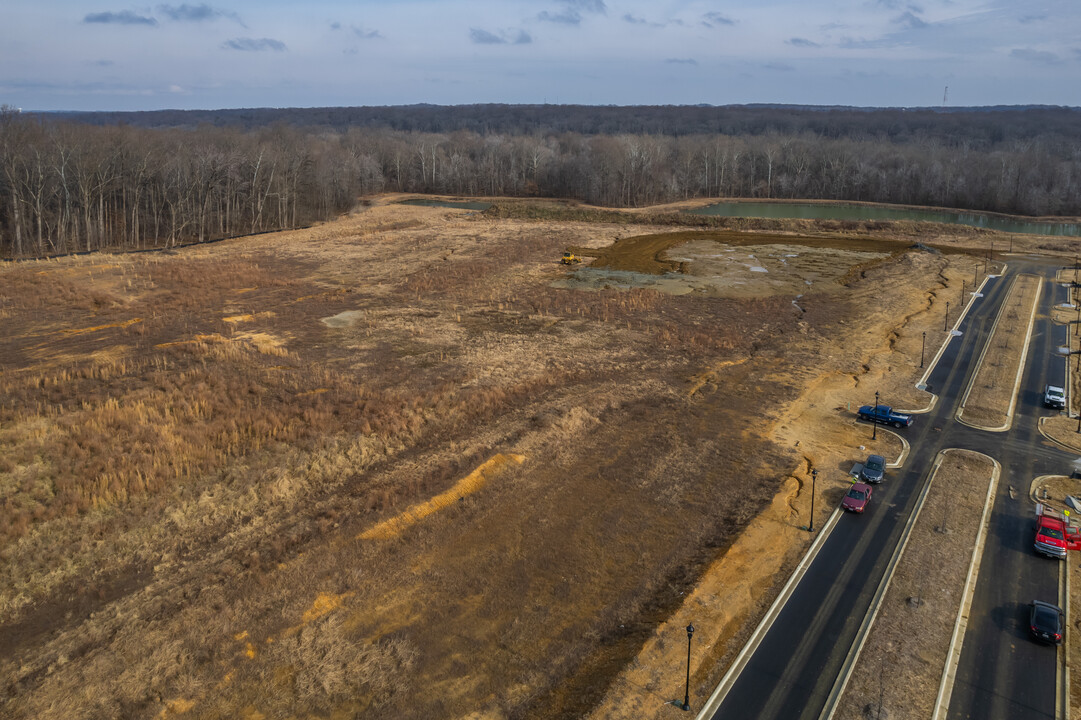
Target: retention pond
x: 823, y: 211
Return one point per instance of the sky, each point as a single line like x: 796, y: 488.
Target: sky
x: 108, y: 55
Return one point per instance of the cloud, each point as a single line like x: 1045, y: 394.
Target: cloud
x: 124, y: 17
x: 1040, y: 57
x: 898, y: 4
x: 593, y: 6
x: 635, y: 20
x: 335, y: 26
x: 802, y: 42
x: 253, y: 44
x: 101, y: 63
x: 571, y: 14
x: 483, y: 37
x: 366, y: 34
x: 681, y: 61
x: 1031, y: 19
x: 714, y: 19
x: 196, y: 13
x: 778, y: 67
x: 910, y: 21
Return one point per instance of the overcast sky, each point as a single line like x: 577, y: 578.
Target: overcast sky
x: 107, y: 55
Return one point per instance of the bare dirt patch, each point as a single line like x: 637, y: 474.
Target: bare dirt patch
x: 183, y: 494
x: 901, y: 664
x: 991, y: 396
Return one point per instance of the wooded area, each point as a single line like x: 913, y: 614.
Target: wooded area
x: 82, y: 182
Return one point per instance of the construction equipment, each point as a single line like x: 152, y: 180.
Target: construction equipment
x: 570, y: 258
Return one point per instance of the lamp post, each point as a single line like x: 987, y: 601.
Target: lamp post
x: 976, y: 274
x: 923, y: 346
x: 946, y: 320
x: 962, y: 292
x: 874, y: 420
x: 687, y: 692
x: 811, y: 522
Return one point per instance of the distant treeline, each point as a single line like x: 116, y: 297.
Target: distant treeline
x: 85, y: 181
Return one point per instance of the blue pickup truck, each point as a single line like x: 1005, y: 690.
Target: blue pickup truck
x: 884, y: 415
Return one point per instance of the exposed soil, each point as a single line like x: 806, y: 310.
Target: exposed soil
x: 235, y: 417
x: 900, y: 667
x: 989, y: 402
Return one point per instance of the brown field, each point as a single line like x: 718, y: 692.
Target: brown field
x: 407, y: 465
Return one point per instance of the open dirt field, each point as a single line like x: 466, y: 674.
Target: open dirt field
x: 407, y: 465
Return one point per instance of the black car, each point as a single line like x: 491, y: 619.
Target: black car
x: 873, y: 469
x: 1046, y: 622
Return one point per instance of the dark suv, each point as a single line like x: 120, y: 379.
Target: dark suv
x: 1045, y: 622
x: 873, y: 469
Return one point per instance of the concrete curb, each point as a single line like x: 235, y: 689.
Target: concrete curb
x: 964, y: 313
x: 953, y: 655
x: 1053, y: 441
x: 730, y: 677
x: 1020, y: 367
x: 853, y: 656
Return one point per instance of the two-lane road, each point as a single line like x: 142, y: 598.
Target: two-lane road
x: 794, y: 668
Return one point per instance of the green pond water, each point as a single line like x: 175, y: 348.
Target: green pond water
x: 813, y: 211
x: 448, y: 204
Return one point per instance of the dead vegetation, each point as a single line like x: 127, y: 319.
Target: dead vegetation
x: 190, y: 451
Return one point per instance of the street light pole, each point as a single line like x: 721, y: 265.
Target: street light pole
x: 687, y: 692
x: 874, y: 420
x: 811, y: 523
x: 946, y: 320
x: 923, y: 346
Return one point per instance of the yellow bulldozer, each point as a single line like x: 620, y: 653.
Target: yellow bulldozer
x: 570, y: 258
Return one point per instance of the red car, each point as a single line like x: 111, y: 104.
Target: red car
x: 1053, y: 535
x: 857, y: 497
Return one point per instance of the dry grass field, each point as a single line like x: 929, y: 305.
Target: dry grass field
x: 405, y: 464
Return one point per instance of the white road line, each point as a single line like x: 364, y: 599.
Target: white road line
x: 740, y: 662
x: 839, y: 685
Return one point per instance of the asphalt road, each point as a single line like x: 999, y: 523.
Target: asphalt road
x: 1001, y: 674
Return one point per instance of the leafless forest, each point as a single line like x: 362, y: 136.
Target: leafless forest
x: 85, y: 182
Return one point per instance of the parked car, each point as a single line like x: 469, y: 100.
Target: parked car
x: 1046, y: 622
x: 1054, y: 397
x: 884, y: 415
x: 1054, y: 537
x: 873, y: 469
x: 857, y: 498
